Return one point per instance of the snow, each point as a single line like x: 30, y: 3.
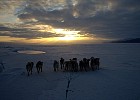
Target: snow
x: 118, y: 78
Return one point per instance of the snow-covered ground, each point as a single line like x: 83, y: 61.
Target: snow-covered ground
x: 118, y: 78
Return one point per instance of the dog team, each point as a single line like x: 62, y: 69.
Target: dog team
x: 70, y: 65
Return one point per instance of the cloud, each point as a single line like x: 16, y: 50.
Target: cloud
x: 25, y: 32
x: 103, y: 18
x: 8, y: 6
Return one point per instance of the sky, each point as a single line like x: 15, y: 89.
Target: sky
x: 68, y: 21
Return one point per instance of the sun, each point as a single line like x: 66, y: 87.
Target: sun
x: 62, y: 35
x: 67, y: 38
x: 68, y: 35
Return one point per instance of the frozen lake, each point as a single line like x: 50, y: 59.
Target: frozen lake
x: 118, y: 78
x: 30, y: 52
x: 111, y: 55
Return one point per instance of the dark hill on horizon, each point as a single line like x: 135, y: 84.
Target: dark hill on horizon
x: 136, y: 40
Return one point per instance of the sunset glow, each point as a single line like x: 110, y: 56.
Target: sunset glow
x: 61, y: 34
x: 57, y: 36
x: 68, y: 21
